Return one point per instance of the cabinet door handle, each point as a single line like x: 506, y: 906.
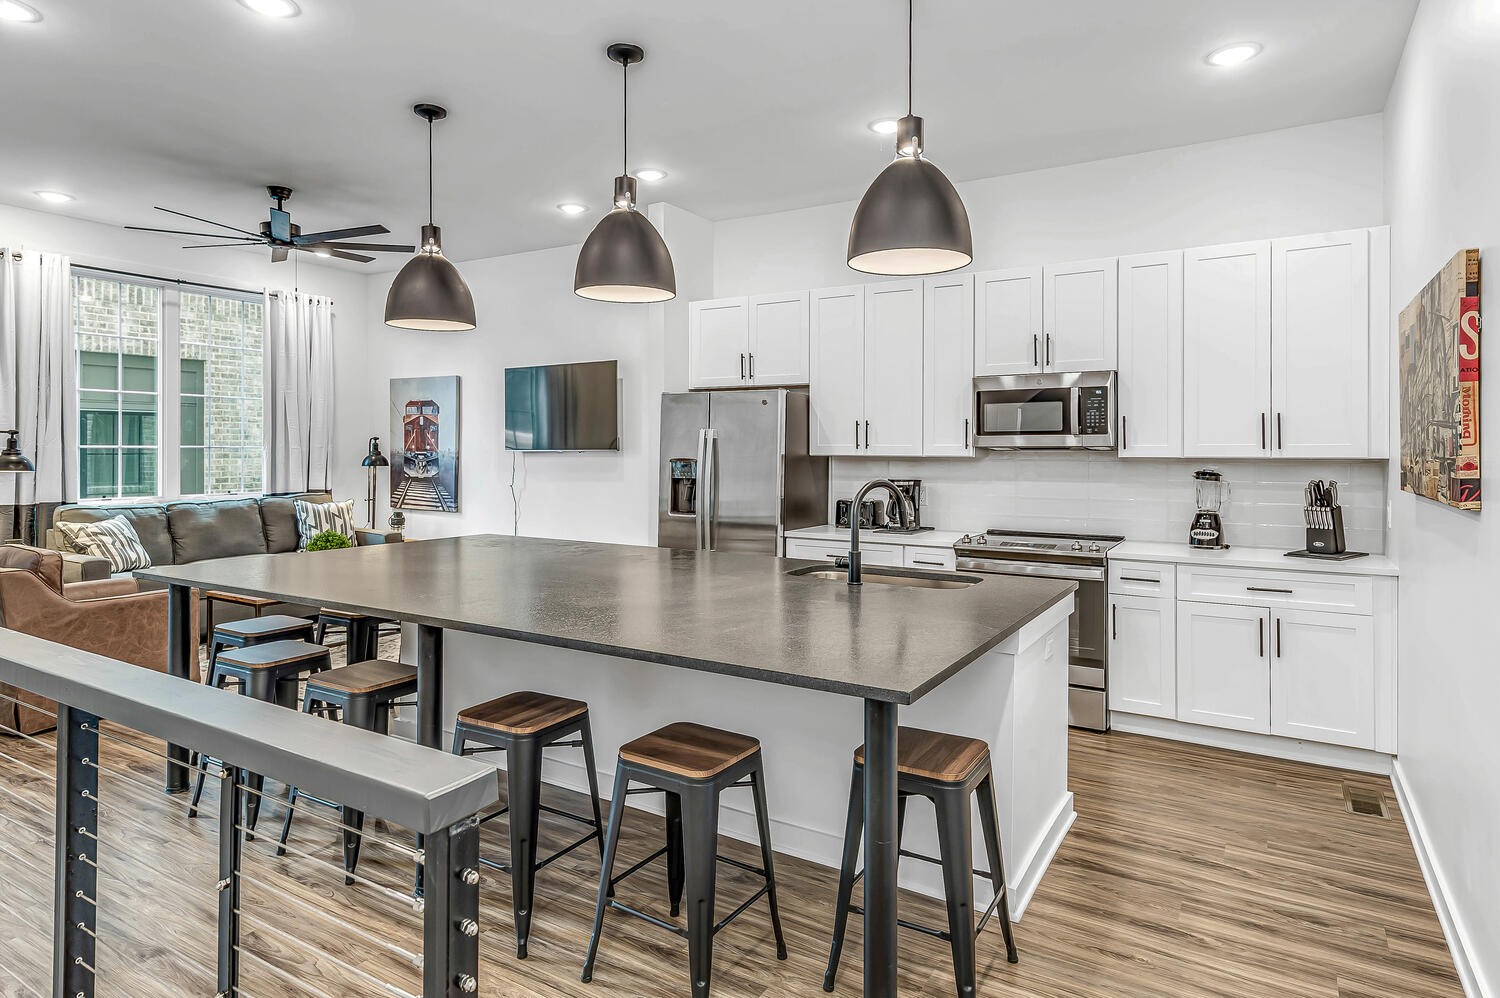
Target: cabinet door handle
x: 1263, y: 589
x: 1260, y: 629
x: 1137, y: 578
x: 1262, y: 431
x: 752, y: 366
x: 742, y: 367
x: 919, y: 561
x: 1049, y: 350
x: 1114, y: 622
x: 1279, y: 444
x: 856, y: 434
x: 1278, y: 637
x: 966, y: 434
x: 1035, y: 360
x: 867, y: 434
x: 1124, y: 433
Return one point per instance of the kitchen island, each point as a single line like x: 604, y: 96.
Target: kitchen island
x: 752, y: 646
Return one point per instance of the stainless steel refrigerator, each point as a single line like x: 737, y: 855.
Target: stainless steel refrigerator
x: 735, y: 471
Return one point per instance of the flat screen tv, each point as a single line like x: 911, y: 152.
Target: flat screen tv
x: 563, y: 407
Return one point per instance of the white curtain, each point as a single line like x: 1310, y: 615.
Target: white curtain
x: 37, y: 373
x: 298, y: 392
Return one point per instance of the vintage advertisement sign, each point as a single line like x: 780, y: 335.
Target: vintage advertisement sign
x: 1440, y: 386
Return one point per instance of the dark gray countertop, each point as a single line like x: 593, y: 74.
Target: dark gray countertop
x: 735, y: 614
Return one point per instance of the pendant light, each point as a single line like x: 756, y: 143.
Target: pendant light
x: 911, y: 221
x: 429, y: 293
x: 625, y: 259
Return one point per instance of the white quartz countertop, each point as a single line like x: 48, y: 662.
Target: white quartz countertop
x: 1248, y: 557
x: 921, y: 539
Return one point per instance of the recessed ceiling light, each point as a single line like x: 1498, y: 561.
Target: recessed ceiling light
x: 651, y: 176
x: 572, y: 208
x: 54, y: 197
x: 1233, y: 55
x: 15, y: 10
x: 885, y: 126
x: 273, y: 8
x: 323, y: 253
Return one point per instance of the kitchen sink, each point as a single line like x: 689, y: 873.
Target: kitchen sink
x: 912, y: 580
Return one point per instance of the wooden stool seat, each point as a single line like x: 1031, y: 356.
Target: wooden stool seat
x: 523, y: 713
x: 694, y: 751
x: 256, y: 602
x: 934, y: 755
x: 263, y: 628
x: 364, y: 677
x: 341, y: 615
x: 272, y: 655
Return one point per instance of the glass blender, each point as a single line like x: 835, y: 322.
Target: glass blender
x: 1207, y: 530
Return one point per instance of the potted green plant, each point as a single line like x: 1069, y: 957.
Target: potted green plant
x: 329, y: 540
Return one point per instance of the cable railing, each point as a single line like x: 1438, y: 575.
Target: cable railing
x: 109, y: 889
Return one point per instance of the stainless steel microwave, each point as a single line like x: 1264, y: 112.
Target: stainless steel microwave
x: 1046, y: 411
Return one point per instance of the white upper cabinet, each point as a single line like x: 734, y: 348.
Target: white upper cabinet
x: 1227, y: 351
x: 1320, y: 345
x: 1150, y: 355
x: 836, y: 370
x: 739, y: 342
x: 948, y: 366
x: 893, y: 369
x: 1008, y: 322
x: 1079, y: 315
x: 718, y: 343
x: 778, y: 340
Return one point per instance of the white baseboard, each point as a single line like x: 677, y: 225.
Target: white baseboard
x: 1334, y: 756
x: 1029, y: 879
x: 1453, y: 927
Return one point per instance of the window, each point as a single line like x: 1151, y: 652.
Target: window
x: 169, y: 389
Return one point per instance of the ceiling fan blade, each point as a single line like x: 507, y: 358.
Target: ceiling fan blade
x: 356, y: 257
x: 216, y: 245
x: 308, y: 238
x: 369, y: 247
x: 208, y: 221
x: 279, y: 253
x: 199, y: 235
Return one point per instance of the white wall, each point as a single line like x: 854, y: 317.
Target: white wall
x: 1442, y: 161
x: 1310, y: 179
x: 93, y: 244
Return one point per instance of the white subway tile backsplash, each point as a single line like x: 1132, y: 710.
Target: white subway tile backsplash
x: 1142, y: 500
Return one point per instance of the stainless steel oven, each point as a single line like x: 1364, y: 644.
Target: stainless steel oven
x: 1081, y: 558
x: 1046, y: 411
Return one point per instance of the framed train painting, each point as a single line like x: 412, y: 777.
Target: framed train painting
x: 424, y: 444
x: 1440, y: 386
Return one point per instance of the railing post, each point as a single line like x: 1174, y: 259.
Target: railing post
x: 450, y: 930
x: 231, y: 799
x: 76, y: 905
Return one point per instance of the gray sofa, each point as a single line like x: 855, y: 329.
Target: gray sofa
x: 177, y: 533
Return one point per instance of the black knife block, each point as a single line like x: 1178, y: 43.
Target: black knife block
x: 1330, y: 539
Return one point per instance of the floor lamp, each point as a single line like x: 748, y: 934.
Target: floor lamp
x: 13, y: 462
x: 374, y: 459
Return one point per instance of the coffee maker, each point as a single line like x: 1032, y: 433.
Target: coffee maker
x: 1207, y: 530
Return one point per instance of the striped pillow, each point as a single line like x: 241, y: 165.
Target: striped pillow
x: 315, y: 517
x: 114, y: 539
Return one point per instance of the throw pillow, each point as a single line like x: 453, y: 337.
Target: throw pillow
x: 114, y: 539
x: 315, y: 517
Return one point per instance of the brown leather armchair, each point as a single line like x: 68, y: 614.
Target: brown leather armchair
x: 110, y: 617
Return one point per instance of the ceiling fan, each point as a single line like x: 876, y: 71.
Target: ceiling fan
x: 283, y: 235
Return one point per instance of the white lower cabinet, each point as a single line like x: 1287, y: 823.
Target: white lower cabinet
x: 1223, y: 673
x: 1143, y: 655
x: 870, y: 554
x: 1322, y: 680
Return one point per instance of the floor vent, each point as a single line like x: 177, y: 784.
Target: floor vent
x: 1364, y: 800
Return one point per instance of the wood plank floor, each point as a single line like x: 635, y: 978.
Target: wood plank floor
x: 1190, y: 871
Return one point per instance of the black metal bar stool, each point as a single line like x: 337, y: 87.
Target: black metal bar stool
x: 268, y: 672
x: 946, y: 769
x: 521, y: 725
x: 363, y: 694
x: 692, y: 764
x: 255, y: 631
x: 361, y: 633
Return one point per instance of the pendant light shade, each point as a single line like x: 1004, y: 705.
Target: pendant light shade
x: 429, y: 293
x: 11, y: 459
x: 911, y: 221
x: 625, y: 259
